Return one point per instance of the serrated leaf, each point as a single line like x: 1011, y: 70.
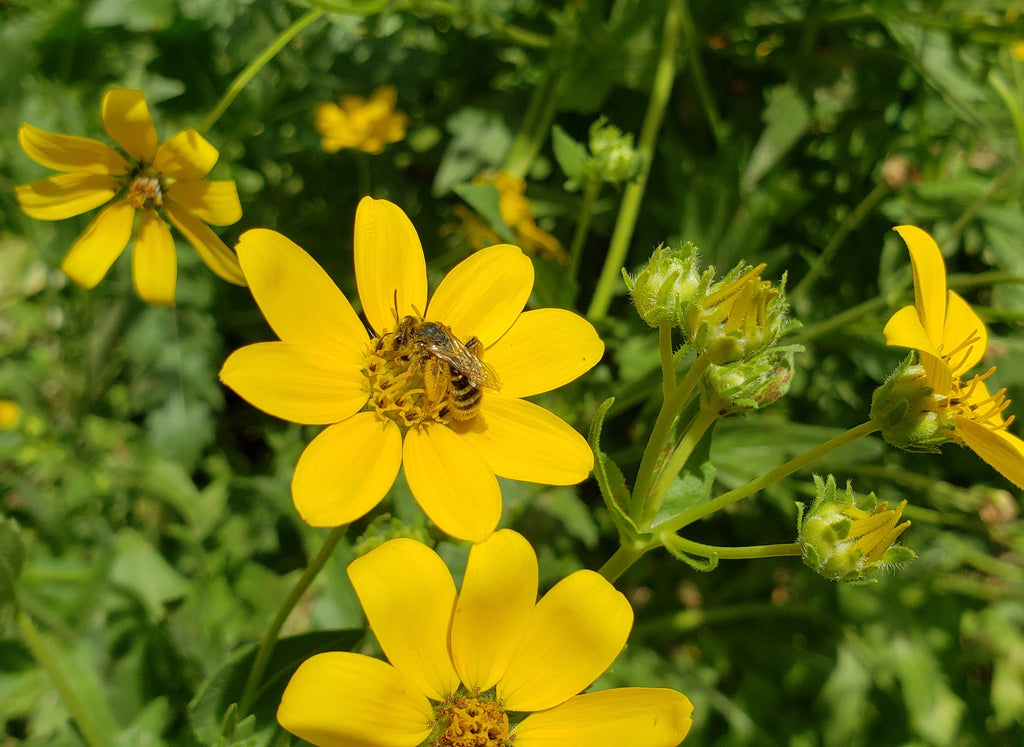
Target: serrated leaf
x: 787, y: 118
x: 570, y: 154
x: 609, y: 477
x: 139, y: 568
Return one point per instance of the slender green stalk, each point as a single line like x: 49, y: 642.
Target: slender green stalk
x: 700, y: 78
x: 490, y: 21
x: 90, y: 723
x: 805, y: 459
x: 621, y: 560
x: 852, y: 220
x: 243, y: 78
x: 750, y: 552
x: 629, y: 209
x: 537, y: 123
x: 990, y: 191
x: 668, y: 362
x: 656, y: 495
x: 590, y: 193
x: 269, y: 639
x: 659, y: 437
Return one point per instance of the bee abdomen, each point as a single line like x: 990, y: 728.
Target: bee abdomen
x: 464, y: 397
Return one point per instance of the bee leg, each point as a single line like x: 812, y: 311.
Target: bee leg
x: 474, y: 346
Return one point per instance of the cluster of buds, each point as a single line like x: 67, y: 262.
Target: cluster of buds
x: 847, y: 538
x: 608, y: 158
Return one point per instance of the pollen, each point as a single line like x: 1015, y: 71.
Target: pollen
x: 144, y: 192
x: 472, y: 722
x: 401, y: 387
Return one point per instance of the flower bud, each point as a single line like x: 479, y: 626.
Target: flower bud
x: 738, y: 316
x: 613, y: 158
x: 752, y: 384
x: 845, y: 538
x: 902, y: 409
x: 665, y: 285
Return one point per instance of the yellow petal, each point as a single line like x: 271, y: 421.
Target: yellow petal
x: 211, y: 249
x: 452, y: 483
x: 576, y: 631
x: 483, y: 294
x: 999, y: 449
x: 300, y: 301
x: 347, y: 470
x: 126, y: 119
x: 929, y: 279
x: 498, y: 593
x: 187, y: 155
x: 904, y: 330
x: 408, y: 596
x: 211, y: 202
x: 523, y: 441
x: 543, y: 350
x: 634, y: 716
x: 95, y: 250
x: 391, y: 273
x: 69, y: 153
x: 343, y: 699
x: 296, y: 384
x: 65, y: 195
x: 154, y: 261
x: 963, y: 324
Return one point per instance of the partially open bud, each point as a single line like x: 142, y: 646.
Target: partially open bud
x: 844, y: 538
x: 613, y: 158
x: 751, y: 384
x: 666, y: 285
x: 901, y: 407
x: 738, y: 316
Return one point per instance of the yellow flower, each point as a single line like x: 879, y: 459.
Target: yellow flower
x: 392, y: 400
x: 367, y: 125
x: 155, y: 182
x: 466, y: 666
x: 517, y: 213
x: 951, y: 339
x: 9, y: 414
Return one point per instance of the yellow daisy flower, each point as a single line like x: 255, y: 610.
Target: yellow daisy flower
x: 951, y: 339
x: 466, y: 667
x: 367, y: 125
x: 438, y: 389
x: 153, y: 181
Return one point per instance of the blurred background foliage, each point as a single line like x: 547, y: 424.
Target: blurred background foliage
x: 153, y: 505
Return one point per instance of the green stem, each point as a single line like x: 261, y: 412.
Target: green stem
x: 805, y: 459
x: 490, y: 21
x: 659, y: 437
x: 243, y: 78
x: 700, y: 78
x: 656, y: 496
x: 852, y: 220
x: 89, y: 722
x: 621, y: 560
x: 537, y: 124
x: 750, y: 552
x: 629, y: 209
x: 668, y: 362
x: 590, y: 193
x: 269, y: 639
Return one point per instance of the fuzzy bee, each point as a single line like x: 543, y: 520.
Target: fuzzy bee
x: 452, y: 370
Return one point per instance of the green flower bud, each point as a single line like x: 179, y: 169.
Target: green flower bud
x: 613, y: 158
x: 739, y: 316
x: 844, y: 538
x: 901, y: 407
x: 665, y: 285
x: 752, y: 384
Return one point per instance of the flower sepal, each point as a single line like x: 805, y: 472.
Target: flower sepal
x: 845, y: 537
x: 903, y: 409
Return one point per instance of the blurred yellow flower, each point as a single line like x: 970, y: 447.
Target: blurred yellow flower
x: 460, y: 663
x: 951, y: 339
x: 148, y: 180
x: 517, y: 213
x: 367, y: 125
x: 438, y: 391
x: 1017, y: 50
x: 9, y: 414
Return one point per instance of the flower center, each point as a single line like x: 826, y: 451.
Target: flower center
x: 472, y: 722
x: 421, y: 373
x: 145, y: 191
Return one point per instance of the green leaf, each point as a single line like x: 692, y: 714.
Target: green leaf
x: 484, y: 199
x: 139, y: 568
x: 570, y: 154
x: 219, y: 694
x: 787, y: 118
x: 12, y: 558
x: 609, y: 477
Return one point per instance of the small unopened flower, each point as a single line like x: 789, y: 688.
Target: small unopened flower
x: 751, y: 384
x: 438, y: 389
x: 845, y: 538
x: 364, y: 124
x: 738, y: 316
x: 950, y: 339
x: 487, y: 666
x: 517, y: 213
x: 666, y: 286
x: 145, y: 180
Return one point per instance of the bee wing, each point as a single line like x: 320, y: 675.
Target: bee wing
x: 459, y: 357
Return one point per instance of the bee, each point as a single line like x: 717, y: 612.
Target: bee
x: 452, y: 370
